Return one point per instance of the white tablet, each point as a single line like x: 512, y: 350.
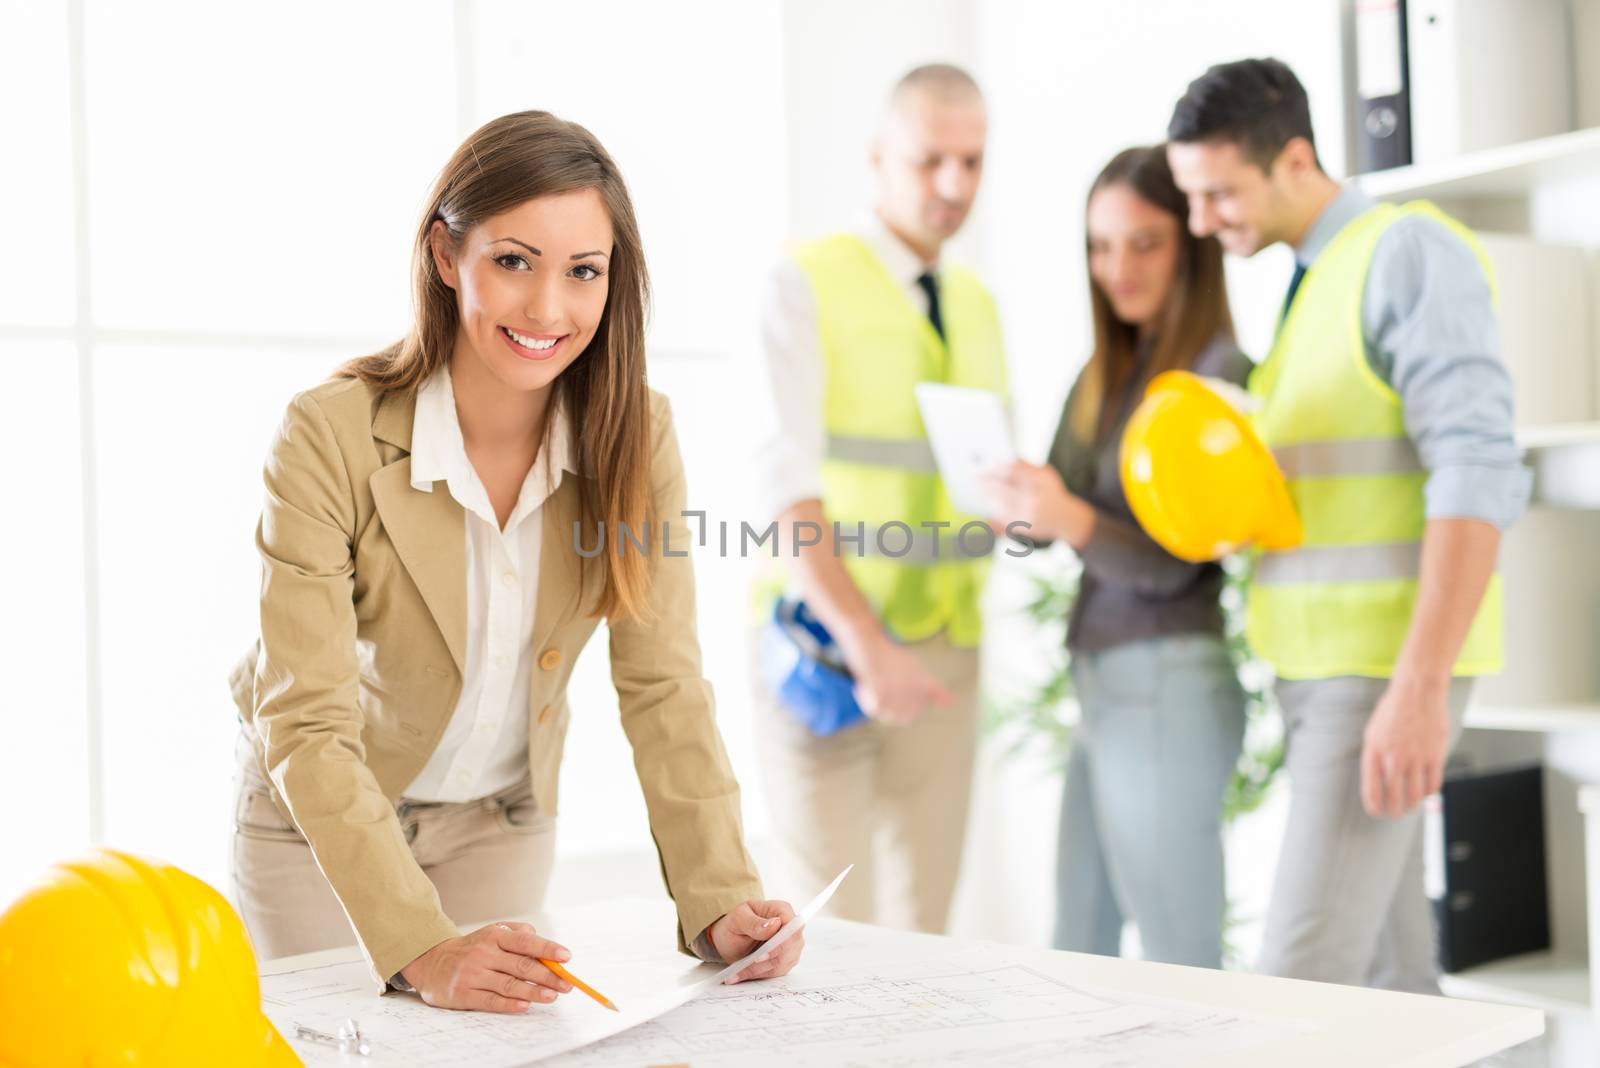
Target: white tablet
x: 970, y: 435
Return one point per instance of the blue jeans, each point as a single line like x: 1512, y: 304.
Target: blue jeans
x: 1161, y: 727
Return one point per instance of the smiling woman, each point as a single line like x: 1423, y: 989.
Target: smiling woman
x: 422, y: 603
x: 527, y: 318
x: 538, y: 243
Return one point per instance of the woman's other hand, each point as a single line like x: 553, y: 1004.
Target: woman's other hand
x: 493, y: 969
x: 1035, y: 495
x: 739, y: 932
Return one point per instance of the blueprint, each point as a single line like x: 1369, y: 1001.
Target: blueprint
x: 864, y: 997
x: 643, y: 978
x: 624, y: 949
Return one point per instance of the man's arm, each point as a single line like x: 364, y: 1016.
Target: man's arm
x: 1428, y: 320
x: 1402, y: 760
x: 890, y: 684
x: 829, y: 591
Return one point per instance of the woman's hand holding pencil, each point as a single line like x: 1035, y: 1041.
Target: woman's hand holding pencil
x: 498, y: 968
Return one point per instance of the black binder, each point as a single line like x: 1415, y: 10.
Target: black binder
x: 1382, y: 96
x: 1494, y: 901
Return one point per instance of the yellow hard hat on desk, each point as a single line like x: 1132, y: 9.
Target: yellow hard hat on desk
x: 1199, y: 479
x: 114, y: 960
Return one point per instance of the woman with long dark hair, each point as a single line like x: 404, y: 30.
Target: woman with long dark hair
x: 1162, y: 712
x: 424, y: 597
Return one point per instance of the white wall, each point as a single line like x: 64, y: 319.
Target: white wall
x: 42, y: 708
x: 218, y: 209
x: 840, y: 59
x: 245, y: 198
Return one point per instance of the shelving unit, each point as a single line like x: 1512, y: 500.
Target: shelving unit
x: 1541, y: 980
x: 1566, y: 464
x: 1560, y: 436
x: 1506, y: 171
x: 1565, y: 456
x: 1544, y: 707
x: 1541, y: 718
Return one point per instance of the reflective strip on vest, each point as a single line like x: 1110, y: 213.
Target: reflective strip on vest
x: 1352, y: 456
x: 904, y: 454
x: 878, y: 468
x: 1343, y: 603
x: 1340, y: 563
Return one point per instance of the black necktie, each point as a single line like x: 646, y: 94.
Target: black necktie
x: 1294, y: 287
x: 930, y: 286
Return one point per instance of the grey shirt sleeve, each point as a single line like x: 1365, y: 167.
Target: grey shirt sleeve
x: 1119, y: 552
x: 1429, y: 324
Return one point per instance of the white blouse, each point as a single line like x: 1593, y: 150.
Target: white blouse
x: 485, y: 745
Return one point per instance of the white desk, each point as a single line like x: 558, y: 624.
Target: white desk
x: 870, y: 996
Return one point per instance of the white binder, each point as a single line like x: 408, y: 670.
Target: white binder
x: 1485, y: 73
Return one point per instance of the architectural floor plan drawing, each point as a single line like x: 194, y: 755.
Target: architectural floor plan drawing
x: 643, y: 977
x: 858, y: 1006
x: 863, y: 996
x: 622, y: 948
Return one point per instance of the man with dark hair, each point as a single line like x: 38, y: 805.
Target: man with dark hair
x: 1385, y: 402
x: 1258, y: 104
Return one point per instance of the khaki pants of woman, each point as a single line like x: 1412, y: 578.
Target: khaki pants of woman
x: 490, y: 859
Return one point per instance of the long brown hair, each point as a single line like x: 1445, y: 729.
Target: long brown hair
x: 507, y: 162
x: 1197, y: 305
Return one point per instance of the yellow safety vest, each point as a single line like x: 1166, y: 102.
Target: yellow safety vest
x: 1341, y: 603
x: 879, y: 481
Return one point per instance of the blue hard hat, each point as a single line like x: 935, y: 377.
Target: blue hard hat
x: 805, y: 671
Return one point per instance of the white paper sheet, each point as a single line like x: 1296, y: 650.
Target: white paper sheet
x: 801, y: 918
x: 870, y: 998
x: 621, y: 948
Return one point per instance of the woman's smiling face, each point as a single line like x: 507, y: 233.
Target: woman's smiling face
x: 530, y: 285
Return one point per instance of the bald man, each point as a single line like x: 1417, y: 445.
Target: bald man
x: 852, y: 323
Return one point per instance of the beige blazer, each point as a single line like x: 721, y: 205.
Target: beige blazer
x: 359, y: 666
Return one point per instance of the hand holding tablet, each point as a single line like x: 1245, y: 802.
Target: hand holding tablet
x: 970, y: 436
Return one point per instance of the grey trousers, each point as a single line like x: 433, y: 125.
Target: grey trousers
x: 1348, y: 903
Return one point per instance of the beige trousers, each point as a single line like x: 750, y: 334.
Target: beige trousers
x: 890, y: 800
x: 490, y: 859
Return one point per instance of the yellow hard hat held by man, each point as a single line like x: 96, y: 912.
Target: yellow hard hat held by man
x: 1198, y: 477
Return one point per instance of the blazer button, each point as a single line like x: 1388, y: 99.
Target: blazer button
x: 545, y: 713
x: 550, y: 659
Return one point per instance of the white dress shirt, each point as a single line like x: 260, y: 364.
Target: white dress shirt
x: 791, y: 374
x: 485, y: 745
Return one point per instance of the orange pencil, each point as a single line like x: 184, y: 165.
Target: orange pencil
x: 579, y: 983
